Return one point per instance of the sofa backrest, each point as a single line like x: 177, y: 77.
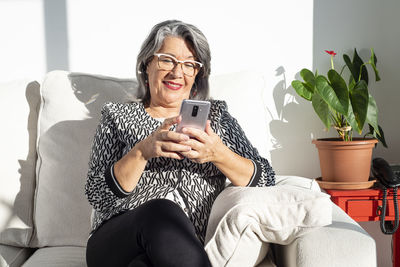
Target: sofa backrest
x: 68, y: 116
x: 244, y: 94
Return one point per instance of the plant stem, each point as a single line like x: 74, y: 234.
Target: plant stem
x: 359, y: 76
x: 349, y: 134
x: 341, y: 71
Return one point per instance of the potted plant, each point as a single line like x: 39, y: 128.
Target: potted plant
x: 347, y: 107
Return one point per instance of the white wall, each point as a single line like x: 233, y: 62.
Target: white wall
x: 104, y: 36
x: 22, y: 43
x: 276, y: 38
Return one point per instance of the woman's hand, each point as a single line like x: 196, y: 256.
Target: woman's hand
x: 161, y: 143
x: 164, y: 143
x: 205, y: 145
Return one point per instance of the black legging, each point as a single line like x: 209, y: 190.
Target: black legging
x: 157, y: 233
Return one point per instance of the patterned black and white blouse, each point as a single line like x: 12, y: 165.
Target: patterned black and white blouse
x: 191, y: 185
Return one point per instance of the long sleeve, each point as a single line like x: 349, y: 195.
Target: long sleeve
x: 106, y: 150
x: 234, y: 137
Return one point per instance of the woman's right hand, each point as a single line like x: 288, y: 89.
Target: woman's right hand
x: 163, y: 142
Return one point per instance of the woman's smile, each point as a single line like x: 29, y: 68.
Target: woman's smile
x: 173, y: 86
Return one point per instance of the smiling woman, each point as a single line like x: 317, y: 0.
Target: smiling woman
x: 152, y: 188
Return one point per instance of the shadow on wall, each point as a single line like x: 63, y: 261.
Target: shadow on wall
x: 293, y: 127
x: 24, y: 198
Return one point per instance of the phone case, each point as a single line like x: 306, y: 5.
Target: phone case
x: 194, y: 114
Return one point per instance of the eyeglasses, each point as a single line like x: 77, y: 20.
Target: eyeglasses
x: 168, y: 62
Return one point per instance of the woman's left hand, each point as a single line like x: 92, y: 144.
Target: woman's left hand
x: 206, y: 145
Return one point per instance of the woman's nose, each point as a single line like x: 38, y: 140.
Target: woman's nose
x: 177, y: 70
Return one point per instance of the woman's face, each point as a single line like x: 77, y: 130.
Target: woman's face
x: 169, y: 88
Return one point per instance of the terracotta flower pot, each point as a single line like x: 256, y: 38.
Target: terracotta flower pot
x: 345, y: 161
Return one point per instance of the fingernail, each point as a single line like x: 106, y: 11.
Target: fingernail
x: 184, y: 130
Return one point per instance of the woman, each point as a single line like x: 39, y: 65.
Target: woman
x: 152, y: 188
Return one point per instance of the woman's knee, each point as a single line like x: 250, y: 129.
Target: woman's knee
x: 165, y: 221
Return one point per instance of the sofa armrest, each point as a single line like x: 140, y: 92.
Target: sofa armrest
x: 14, y: 256
x: 343, y: 243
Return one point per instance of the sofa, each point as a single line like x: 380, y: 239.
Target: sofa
x: 47, y: 130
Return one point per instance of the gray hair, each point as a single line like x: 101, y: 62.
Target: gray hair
x: 153, y: 43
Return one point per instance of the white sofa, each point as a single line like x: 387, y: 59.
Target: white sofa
x: 46, y: 137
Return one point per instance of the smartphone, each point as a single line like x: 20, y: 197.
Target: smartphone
x: 194, y: 114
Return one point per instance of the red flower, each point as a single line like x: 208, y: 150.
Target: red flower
x: 332, y: 53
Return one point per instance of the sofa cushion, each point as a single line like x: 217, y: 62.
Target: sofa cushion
x: 11, y: 256
x: 276, y: 214
x: 245, y: 87
x: 344, y: 241
x: 58, y: 256
x: 19, y: 107
x: 69, y: 115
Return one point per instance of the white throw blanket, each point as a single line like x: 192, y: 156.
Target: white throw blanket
x: 244, y: 220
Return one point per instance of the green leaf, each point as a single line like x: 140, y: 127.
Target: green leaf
x: 352, y: 120
x: 380, y: 137
x: 372, y: 114
x: 357, y: 63
x: 322, y: 109
x: 309, y: 88
x: 301, y: 90
x: 347, y: 60
x: 327, y: 93
x: 359, y: 101
x: 351, y: 85
x: 340, y: 87
x: 309, y: 78
x: 373, y: 61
